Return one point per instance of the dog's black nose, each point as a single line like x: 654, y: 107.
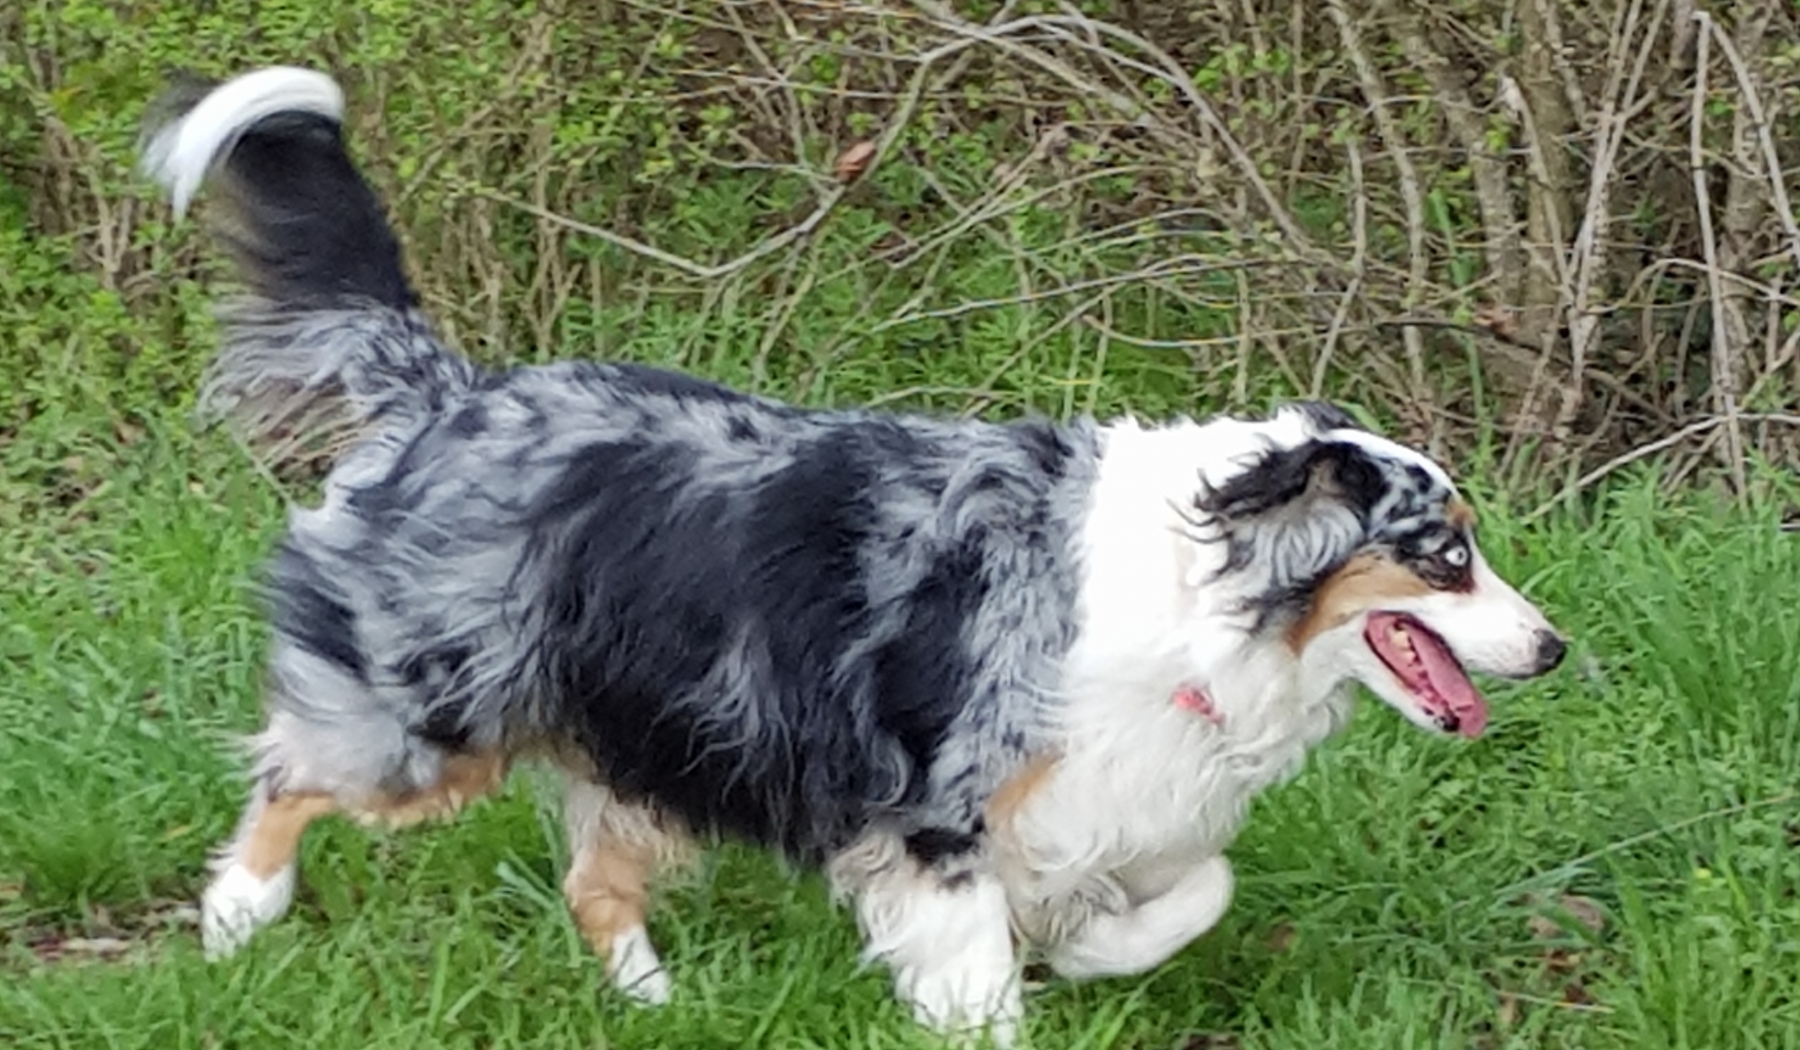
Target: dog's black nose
x: 1550, y: 650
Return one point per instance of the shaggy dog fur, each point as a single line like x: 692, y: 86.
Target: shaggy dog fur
x: 1012, y: 686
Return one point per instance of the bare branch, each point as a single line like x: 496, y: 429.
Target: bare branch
x: 1752, y: 103
x: 1419, y: 261
x: 1724, y: 357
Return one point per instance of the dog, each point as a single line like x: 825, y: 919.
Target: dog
x: 1010, y: 685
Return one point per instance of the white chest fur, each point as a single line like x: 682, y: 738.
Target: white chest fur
x: 1139, y: 792
x: 1142, y: 790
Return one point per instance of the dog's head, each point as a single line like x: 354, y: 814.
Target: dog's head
x: 1358, y: 555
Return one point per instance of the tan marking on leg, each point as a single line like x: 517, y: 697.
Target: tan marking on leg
x: 1004, y: 804
x: 464, y: 779
x: 1365, y: 582
x: 1461, y: 514
x: 273, y: 840
x: 617, y: 846
x: 608, y: 891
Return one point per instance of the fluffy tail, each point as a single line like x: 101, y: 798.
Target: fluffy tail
x: 329, y: 341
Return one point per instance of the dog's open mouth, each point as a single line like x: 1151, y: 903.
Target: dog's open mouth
x: 1428, y: 670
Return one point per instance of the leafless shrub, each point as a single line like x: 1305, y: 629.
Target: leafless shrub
x: 1567, y: 229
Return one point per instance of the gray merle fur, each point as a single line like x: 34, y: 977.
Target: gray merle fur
x: 791, y: 626
x: 1299, y: 514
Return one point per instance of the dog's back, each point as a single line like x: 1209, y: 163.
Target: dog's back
x: 792, y: 626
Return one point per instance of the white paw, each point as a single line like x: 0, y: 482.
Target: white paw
x: 998, y: 1033
x: 965, y: 1009
x: 236, y: 904
x: 635, y: 969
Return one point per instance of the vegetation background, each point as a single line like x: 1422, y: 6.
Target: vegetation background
x: 1553, y: 243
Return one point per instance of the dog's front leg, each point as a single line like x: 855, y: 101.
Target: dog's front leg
x: 944, y: 932
x: 953, y: 960
x: 1148, y: 934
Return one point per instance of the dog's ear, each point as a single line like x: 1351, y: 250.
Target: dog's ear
x: 1291, y: 517
x: 1281, y: 478
x: 1323, y: 416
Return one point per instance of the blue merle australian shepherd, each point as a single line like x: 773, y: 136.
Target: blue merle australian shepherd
x: 1011, y: 686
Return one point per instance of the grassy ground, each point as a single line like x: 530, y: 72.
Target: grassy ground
x: 1614, y: 865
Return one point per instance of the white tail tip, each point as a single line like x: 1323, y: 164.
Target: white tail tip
x: 179, y: 154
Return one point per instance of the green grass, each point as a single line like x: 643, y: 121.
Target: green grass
x: 1386, y: 896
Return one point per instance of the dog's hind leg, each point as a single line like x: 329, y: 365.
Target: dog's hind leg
x: 253, y: 875
x: 615, y: 848
x: 367, y: 767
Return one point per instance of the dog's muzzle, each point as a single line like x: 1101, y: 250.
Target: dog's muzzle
x: 1551, y: 647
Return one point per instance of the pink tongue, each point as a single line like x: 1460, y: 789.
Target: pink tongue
x: 1451, y: 683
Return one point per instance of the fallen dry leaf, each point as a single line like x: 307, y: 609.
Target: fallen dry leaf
x: 891, y: 244
x: 1562, y: 962
x: 1281, y: 938
x: 1508, y: 1014
x: 1583, y: 910
x: 52, y: 948
x: 854, y: 161
x: 1498, y: 320
x: 100, y: 946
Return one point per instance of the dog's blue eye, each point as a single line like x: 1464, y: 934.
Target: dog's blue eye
x: 1456, y: 555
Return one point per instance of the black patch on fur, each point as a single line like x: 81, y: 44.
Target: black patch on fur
x: 1046, y: 444
x: 600, y: 532
x: 445, y: 726
x: 694, y: 639
x: 1425, y: 550
x: 1271, y: 511
x: 306, y: 228
x: 741, y: 429
x: 433, y: 672
x: 654, y: 576
x: 469, y: 421
x: 923, y: 672
x: 307, y: 609
x: 931, y: 846
x: 1324, y: 415
x: 1420, y: 481
x: 398, y: 491
x: 1281, y: 476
